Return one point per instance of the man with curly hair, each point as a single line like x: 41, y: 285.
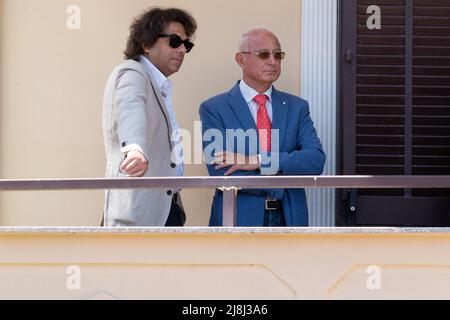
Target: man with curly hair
x: 140, y: 130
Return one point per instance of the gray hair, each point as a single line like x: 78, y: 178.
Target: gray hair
x: 245, y: 38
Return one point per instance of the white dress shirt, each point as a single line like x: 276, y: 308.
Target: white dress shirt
x: 249, y: 93
x: 166, y: 87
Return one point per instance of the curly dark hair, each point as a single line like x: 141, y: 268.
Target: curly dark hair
x: 148, y: 26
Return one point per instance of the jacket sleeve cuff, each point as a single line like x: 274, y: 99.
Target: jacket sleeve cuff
x: 270, y: 163
x: 131, y: 147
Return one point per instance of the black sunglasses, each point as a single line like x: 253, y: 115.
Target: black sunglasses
x: 264, y: 55
x: 175, y: 41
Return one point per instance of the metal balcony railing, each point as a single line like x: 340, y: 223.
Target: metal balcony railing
x: 230, y: 185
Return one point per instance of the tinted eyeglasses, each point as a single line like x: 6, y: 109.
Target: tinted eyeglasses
x: 175, y: 41
x: 264, y: 55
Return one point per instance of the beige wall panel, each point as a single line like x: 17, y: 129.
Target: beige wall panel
x: 225, y: 264
x: 52, y: 81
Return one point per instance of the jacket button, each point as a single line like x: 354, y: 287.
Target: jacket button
x: 173, y: 165
x: 169, y: 193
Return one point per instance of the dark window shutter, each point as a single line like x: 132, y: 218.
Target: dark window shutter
x: 431, y: 91
x: 403, y: 92
x: 380, y: 94
x: 395, y: 109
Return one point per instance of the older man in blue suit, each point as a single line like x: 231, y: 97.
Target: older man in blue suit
x: 255, y: 130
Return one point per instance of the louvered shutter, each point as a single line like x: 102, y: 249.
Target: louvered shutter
x: 396, y: 119
x: 431, y: 91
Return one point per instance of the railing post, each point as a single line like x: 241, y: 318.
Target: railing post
x: 229, y: 206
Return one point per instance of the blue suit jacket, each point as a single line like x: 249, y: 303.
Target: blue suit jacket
x: 300, y: 153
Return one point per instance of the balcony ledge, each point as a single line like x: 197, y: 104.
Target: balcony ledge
x: 226, y: 230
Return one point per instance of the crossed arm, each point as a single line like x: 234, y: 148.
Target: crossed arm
x: 307, y: 159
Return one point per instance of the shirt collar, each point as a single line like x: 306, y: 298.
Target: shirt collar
x: 163, y: 83
x: 249, y: 93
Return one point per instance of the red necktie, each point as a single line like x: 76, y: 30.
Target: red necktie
x: 263, y: 123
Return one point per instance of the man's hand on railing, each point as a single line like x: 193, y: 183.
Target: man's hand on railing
x: 236, y: 161
x: 134, y: 164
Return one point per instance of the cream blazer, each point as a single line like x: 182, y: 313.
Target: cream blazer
x: 134, y: 112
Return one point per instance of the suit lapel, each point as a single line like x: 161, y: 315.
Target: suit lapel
x: 280, y: 108
x: 240, y: 107
x: 162, y: 104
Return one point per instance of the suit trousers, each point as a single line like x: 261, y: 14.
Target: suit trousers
x: 274, y: 218
x: 177, y: 216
